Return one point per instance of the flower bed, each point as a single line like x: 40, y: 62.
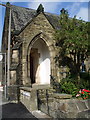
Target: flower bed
x: 85, y: 94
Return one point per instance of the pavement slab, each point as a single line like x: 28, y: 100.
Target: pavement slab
x: 16, y: 110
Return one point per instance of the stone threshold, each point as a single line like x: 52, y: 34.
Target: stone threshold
x: 39, y: 114
x: 36, y: 87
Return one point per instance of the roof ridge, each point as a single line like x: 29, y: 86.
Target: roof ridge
x: 51, y: 14
x: 35, y: 10
x: 23, y: 7
x: 22, y: 16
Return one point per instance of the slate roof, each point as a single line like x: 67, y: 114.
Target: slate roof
x: 22, y: 16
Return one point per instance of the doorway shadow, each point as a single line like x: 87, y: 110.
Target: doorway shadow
x: 16, y: 110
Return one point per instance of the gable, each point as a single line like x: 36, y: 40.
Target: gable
x: 21, y: 16
x: 37, y: 25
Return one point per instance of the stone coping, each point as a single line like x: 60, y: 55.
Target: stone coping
x: 62, y: 96
x: 36, y: 87
x: 55, y: 95
x: 26, y: 89
x: 41, y: 86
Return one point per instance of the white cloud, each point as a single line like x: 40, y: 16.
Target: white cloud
x: 83, y: 13
x: 74, y: 7
x: 32, y: 5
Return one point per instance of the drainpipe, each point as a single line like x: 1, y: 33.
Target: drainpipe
x: 8, y: 54
x: 7, y: 78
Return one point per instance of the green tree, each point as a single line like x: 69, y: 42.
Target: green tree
x: 72, y: 42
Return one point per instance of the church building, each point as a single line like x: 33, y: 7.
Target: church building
x: 30, y: 72
x: 29, y: 44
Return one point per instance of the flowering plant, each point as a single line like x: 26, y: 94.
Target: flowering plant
x: 85, y: 94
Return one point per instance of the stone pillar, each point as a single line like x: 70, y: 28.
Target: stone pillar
x: 25, y: 78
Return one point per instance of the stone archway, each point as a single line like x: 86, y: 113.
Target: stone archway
x: 41, y: 46
x: 40, y: 63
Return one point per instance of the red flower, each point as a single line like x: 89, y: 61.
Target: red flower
x: 84, y: 98
x: 86, y: 90
x: 82, y: 92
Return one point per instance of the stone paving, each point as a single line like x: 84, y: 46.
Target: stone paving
x: 9, y: 110
x: 14, y: 110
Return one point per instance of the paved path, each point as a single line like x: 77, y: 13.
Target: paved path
x: 15, y: 110
x: 18, y: 110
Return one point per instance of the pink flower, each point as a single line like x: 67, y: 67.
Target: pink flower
x: 80, y: 91
x: 77, y: 95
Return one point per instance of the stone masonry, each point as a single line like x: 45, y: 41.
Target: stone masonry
x: 54, y: 104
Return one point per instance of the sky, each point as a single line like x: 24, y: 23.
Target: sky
x: 75, y: 7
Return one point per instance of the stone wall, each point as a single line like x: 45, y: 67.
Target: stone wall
x: 28, y: 97
x: 69, y: 108
x: 13, y: 93
x: 54, y: 104
x: 39, y: 28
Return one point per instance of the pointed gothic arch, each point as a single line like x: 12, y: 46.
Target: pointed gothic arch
x: 39, y: 59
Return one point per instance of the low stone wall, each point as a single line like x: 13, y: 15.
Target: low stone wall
x: 28, y: 97
x: 55, y: 105
x: 69, y: 108
x: 13, y: 93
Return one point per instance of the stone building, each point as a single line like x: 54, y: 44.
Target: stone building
x: 30, y: 46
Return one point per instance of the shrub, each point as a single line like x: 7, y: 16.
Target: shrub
x: 85, y: 75
x: 68, y: 86
x: 71, y: 85
x: 85, y: 80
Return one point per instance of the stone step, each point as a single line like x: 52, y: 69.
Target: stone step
x: 41, y: 86
x: 44, y: 94
x: 49, y: 91
x: 62, y: 96
x: 45, y: 100
x: 40, y: 115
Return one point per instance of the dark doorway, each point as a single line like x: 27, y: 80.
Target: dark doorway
x: 34, y: 61
x: 31, y: 69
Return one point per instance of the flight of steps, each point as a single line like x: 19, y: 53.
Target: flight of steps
x: 44, y: 97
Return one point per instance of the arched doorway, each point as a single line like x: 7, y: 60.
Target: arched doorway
x: 40, y: 63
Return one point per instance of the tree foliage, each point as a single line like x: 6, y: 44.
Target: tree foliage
x: 72, y: 41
